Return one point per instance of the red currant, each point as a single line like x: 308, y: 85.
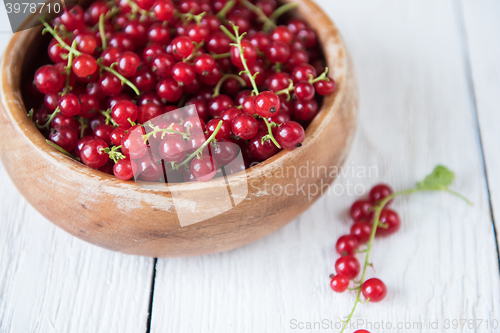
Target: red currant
x: 124, y: 112
x: 339, y: 283
x: 305, y: 110
x: 304, y: 91
x: 361, y: 209
x: 204, y: 64
x: 245, y: 126
x: 266, y: 104
x: 262, y: 150
x: 348, y: 266
x: 128, y: 63
x: 64, y: 136
x: 389, y: 219
x: 69, y: 105
x: 374, y: 290
x: 48, y: 79
x: 325, y: 87
x: 289, y: 135
x: 182, y: 47
x: 123, y: 169
x: 73, y: 18
x: 172, y: 148
x: 278, y: 52
x: 162, y: 65
x: 183, y: 73
x: 204, y: 168
x: 163, y: 9
x: 92, y: 155
x: 169, y: 89
x: 249, y: 53
x: 84, y: 66
x: 224, y: 130
x: 216, y: 105
x: 362, y: 230
x: 379, y: 192
x: 347, y: 245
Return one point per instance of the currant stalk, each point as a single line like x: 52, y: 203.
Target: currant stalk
x: 163, y: 131
x: 223, y: 12
x: 109, y: 119
x: 74, y: 51
x: 113, y: 153
x: 136, y: 9
x: 282, y: 10
x: 439, y: 180
x: 198, y: 151
x: 102, y: 32
x: 287, y: 90
x: 224, y: 78
x: 62, y: 150
x: 321, y: 77
x: 260, y: 14
x: 188, y: 17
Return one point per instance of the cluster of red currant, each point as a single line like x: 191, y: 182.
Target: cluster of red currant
x: 122, y: 63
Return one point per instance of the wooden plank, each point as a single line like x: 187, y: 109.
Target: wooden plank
x: 482, y: 26
x: 53, y: 282
x: 416, y: 112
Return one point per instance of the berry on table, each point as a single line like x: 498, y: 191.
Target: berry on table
x: 347, y: 245
x: 348, y: 266
x: 339, y: 283
x: 389, y: 222
x: 361, y: 209
x: 379, y: 192
x: 361, y: 230
x: 374, y: 290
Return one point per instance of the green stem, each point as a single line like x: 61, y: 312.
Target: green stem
x: 102, y: 32
x: 77, y: 53
x: 163, y: 132
x: 287, y: 90
x: 378, y: 209
x: 62, y: 150
x: 223, y: 12
x: 243, y: 60
x: 260, y: 14
x: 221, y: 55
x: 282, y: 10
x: 270, y: 135
x: 224, y: 78
x: 202, y: 147
x: 322, y: 77
x: 68, y: 69
x: 228, y: 33
x: 49, y: 120
x: 136, y: 9
x: 83, y: 125
x: 187, y: 17
x: 113, y: 153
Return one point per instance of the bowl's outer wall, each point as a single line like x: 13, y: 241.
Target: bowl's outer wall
x: 120, y: 216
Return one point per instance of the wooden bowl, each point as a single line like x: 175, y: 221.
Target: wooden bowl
x: 121, y: 216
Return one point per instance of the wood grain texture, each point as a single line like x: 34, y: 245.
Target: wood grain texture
x: 416, y: 111
x: 121, y: 216
x: 482, y: 28
x: 51, y: 281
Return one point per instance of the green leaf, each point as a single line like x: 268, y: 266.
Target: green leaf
x: 440, y: 177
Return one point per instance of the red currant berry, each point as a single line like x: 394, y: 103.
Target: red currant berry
x: 194, y: 124
x: 289, y: 135
x: 183, y: 73
x: 92, y: 155
x: 128, y: 63
x: 204, y: 64
x: 123, y: 169
x: 80, y: 143
x: 124, y: 112
x: 324, y: 87
x: 51, y: 101
x: 103, y: 132
x: 182, y: 47
x: 163, y: 9
x: 347, y: 245
x: 296, y: 24
x: 117, y: 135
x: 249, y: 53
x: 247, y: 105
x: 339, y: 283
x: 266, y: 104
x: 48, y: 79
x: 73, y: 18
x: 94, y: 12
x: 136, y: 31
x: 374, y: 290
x: 303, y: 73
x: 122, y: 42
x: 148, y: 169
x: 204, y: 168
x: 297, y: 57
x: 89, y: 105
x: 144, y: 79
x: 197, y: 33
x: 361, y: 331
x: 218, y: 43
x: 84, y: 66
x: 55, y: 50
x: 308, y: 37
x: 245, y: 126
x: 224, y: 131
x: 64, y: 136
x: 169, y: 89
x: 147, y: 112
x: 282, y: 117
x: 60, y: 120
x: 262, y: 150
x: 230, y: 113
x: 278, y: 52
x: 282, y: 34
x: 158, y: 33
x: 162, y: 65
x: 362, y: 230
x: 86, y: 44
x: 379, y: 192
x: 224, y: 151
x: 305, y: 110
x: 172, y: 149
x: 216, y: 105
x: 151, y: 51
x: 389, y: 219
x: 133, y: 144
x: 261, y: 41
x: 304, y: 91
x: 110, y: 55
x: 361, y: 209
x: 69, y: 105
x: 110, y: 84
x: 348, y: 266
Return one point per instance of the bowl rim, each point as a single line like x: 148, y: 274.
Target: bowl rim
x: 335, y: 56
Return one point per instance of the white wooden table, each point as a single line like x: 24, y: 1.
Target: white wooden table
x: 429, y: 74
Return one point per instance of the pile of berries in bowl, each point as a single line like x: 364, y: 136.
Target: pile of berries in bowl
x: 249, y: 75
